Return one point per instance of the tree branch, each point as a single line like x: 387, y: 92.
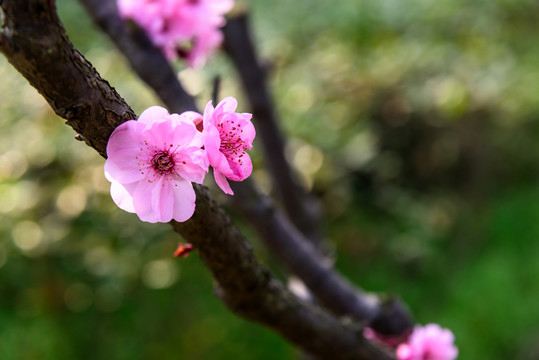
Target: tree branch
x: 387, y: 316
x: 142, y: 55
x: 302, y: 209
x: 36, y: 46
x: 249, y: 290
x: 35, y: 43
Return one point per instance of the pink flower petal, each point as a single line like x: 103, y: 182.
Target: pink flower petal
x: 191, y: 116
x: 184, y: 201
x: 121, y: 195
x: 243, y: 171
x: 142, y: 201
x: 183, y: 132
x: 430, y: 342
x: 123, y: 167
x: 404, y: 352
x: 126, y: 136
x: 154, y: 202
x: 212, y: 144
x: 249, y: 132
x: 153, y: 114
x: 222, y: 182
x: 228, y: 104
x: 208, y: 115
x: 222, y: 6
x: 193, y: 165
x: 163, y: 200
x: 205, y: 44
x: 123, y: 151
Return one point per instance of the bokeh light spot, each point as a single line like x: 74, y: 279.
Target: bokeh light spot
x: 71, y: 201
x: 159, y: 274
x: 27, y: 236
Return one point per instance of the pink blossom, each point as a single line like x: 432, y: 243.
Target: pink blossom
x: 203, y: 45
x: 151, y: 164
x: 430, y: 342
x: 184, y: 28
x: 227, y: 135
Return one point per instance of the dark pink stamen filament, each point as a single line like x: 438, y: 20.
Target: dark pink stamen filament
x: 157, y: 163
x: 232, y: 144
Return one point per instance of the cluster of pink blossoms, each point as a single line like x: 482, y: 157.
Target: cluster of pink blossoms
x: 153, y: 161
x: 189, y: 29
x: 429, y: 342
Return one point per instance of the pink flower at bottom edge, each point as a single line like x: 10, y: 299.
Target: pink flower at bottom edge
x: 430, y: 342
x: 151, y: 164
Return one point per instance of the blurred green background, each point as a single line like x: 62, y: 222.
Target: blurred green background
x: 415, y: 122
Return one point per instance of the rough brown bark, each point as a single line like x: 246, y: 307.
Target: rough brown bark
x: 35, y: 43
x: 37, y: 46
x: 249, y: 290
x: 142, y: 55
x: 387, y: 316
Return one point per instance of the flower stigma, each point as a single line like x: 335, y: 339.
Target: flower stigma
x: 159, y: 163
x: 232, y: 145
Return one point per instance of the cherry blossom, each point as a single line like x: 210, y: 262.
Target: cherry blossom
x: 227, y: 135
x: 151, y: 164
x: 188, y: 29
x: 430, y: 342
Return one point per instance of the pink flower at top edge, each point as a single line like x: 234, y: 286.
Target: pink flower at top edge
x: 202, y: 47
x: 430, y: 342
x: 189, y: 29
x: 151, y: 164
x: 227, y: 136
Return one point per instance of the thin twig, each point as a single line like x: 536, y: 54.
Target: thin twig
x: 216, y: 88
x: 302, y: 209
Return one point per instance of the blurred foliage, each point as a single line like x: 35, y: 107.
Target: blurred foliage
x: 415, y: 122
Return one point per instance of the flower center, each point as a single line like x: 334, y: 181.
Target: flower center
x: 163, y: 162
x: 156, y: 163
x: 184, y: 48
x: 232, y: 145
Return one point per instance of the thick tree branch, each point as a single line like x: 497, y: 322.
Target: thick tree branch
x: 303, y: 210
x: 142, y: 55
x: 249, y: 290
x: 34, y: 41
x: 77, y: 93
x: 388, y: 317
